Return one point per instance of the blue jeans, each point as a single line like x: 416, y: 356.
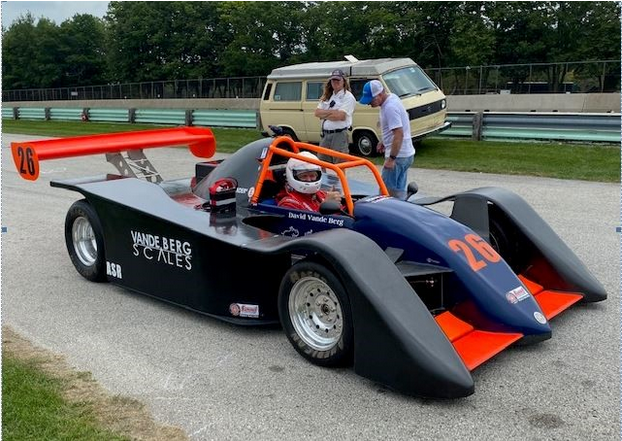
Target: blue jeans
x: 395, y: 178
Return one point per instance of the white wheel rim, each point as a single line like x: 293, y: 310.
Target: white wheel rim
x: 315, y: 313
x: 84, y: 242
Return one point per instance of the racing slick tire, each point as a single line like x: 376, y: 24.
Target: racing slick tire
x: 315, y: 313
x: 85, y: 241
x: 365, y: 143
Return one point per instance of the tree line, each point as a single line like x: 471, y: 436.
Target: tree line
x: 154, y: 41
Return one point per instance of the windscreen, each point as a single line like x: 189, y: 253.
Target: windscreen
x: 408, y: 81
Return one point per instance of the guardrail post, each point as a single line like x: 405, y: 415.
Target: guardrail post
x: 85, y: 114
x: 189, y: 117
x: 15, y: 112
x: 46, y: 113
x: 131, y: 114
x: 478, y: 122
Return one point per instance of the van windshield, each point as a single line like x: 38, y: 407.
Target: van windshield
x: 408, y: 81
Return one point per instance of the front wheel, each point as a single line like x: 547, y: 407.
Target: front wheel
x: 315, y: 314
x: 365, y: 143
x: 85, y: 243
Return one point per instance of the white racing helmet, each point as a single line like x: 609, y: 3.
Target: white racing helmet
x: 297, y: 166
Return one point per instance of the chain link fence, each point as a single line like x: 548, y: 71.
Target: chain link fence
x: 241, y: 87
x: 570, y: 77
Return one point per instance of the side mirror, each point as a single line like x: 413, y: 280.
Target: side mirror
x: 330, y: 207
x: 412, y: 189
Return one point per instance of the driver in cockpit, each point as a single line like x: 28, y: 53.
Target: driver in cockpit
x: 302, y: 189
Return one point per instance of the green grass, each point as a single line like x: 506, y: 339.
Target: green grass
x: 33, y: 407
x: 598, y: 162
x: 554, y: 160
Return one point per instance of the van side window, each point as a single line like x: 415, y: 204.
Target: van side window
x: 314, y: 91
x: 266, y: 95
x: 356, y: 87
x: 287, y: 91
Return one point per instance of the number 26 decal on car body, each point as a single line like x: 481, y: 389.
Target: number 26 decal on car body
x: 474, y: 247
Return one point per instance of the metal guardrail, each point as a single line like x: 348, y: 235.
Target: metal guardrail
x: 65, y: 114
x: 39, y: 113
x: 225, y: 118
x: 601, y: 127
x: 108, y: 115
x: 7, y: 112
x: 590, y: 127
x: 160, y: 116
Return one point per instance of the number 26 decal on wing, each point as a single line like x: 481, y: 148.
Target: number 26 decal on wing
x: 476, y: 250
x: 26, y: 161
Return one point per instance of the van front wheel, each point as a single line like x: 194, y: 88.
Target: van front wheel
x: 365, y: 143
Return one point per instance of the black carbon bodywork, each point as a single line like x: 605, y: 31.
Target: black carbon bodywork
x: 397, y: 341
x: 203, y: 281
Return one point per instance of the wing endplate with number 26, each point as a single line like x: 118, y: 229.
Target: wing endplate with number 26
x: 26, y: 161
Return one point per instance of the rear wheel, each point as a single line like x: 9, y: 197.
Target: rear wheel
x: 315, y: 314
x: 365, y: 143
x: 84, y: 240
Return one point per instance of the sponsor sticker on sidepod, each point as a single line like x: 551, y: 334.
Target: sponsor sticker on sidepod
x: 516, y: 295
x: 244, y: 310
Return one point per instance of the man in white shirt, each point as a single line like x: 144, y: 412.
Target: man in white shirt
x: 399, y: 152
x: 335, y: 111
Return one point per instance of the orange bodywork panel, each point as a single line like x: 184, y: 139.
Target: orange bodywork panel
x: 551, y: 302
x: 293, y: 150
x: 26, y: 155
x: 472, y: 345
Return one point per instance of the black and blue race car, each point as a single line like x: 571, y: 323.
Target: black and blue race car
x: 413, y: 298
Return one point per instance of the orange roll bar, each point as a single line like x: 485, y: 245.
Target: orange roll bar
x: 349, y: 161
x: 26, y: 155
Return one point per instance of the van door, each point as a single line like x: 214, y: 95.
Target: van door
x: 285, y: 108
x: 313, y: 92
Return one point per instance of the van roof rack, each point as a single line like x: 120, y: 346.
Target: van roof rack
x: 352, y: 67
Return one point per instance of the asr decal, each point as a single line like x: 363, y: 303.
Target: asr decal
x: 162, y: 249
x: 473, y: 248
x: 113, y: 270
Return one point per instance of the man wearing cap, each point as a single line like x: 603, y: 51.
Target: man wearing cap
x: 335, y: 111
x: 399, y: 152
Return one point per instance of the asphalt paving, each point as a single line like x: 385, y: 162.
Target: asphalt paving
x: 219, y: 381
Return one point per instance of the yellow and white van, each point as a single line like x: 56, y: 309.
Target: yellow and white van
x: 291, y: 95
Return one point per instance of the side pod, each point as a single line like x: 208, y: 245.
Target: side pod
x: 397, y: 342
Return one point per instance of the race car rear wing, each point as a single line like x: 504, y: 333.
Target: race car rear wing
x: 26, y: 155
